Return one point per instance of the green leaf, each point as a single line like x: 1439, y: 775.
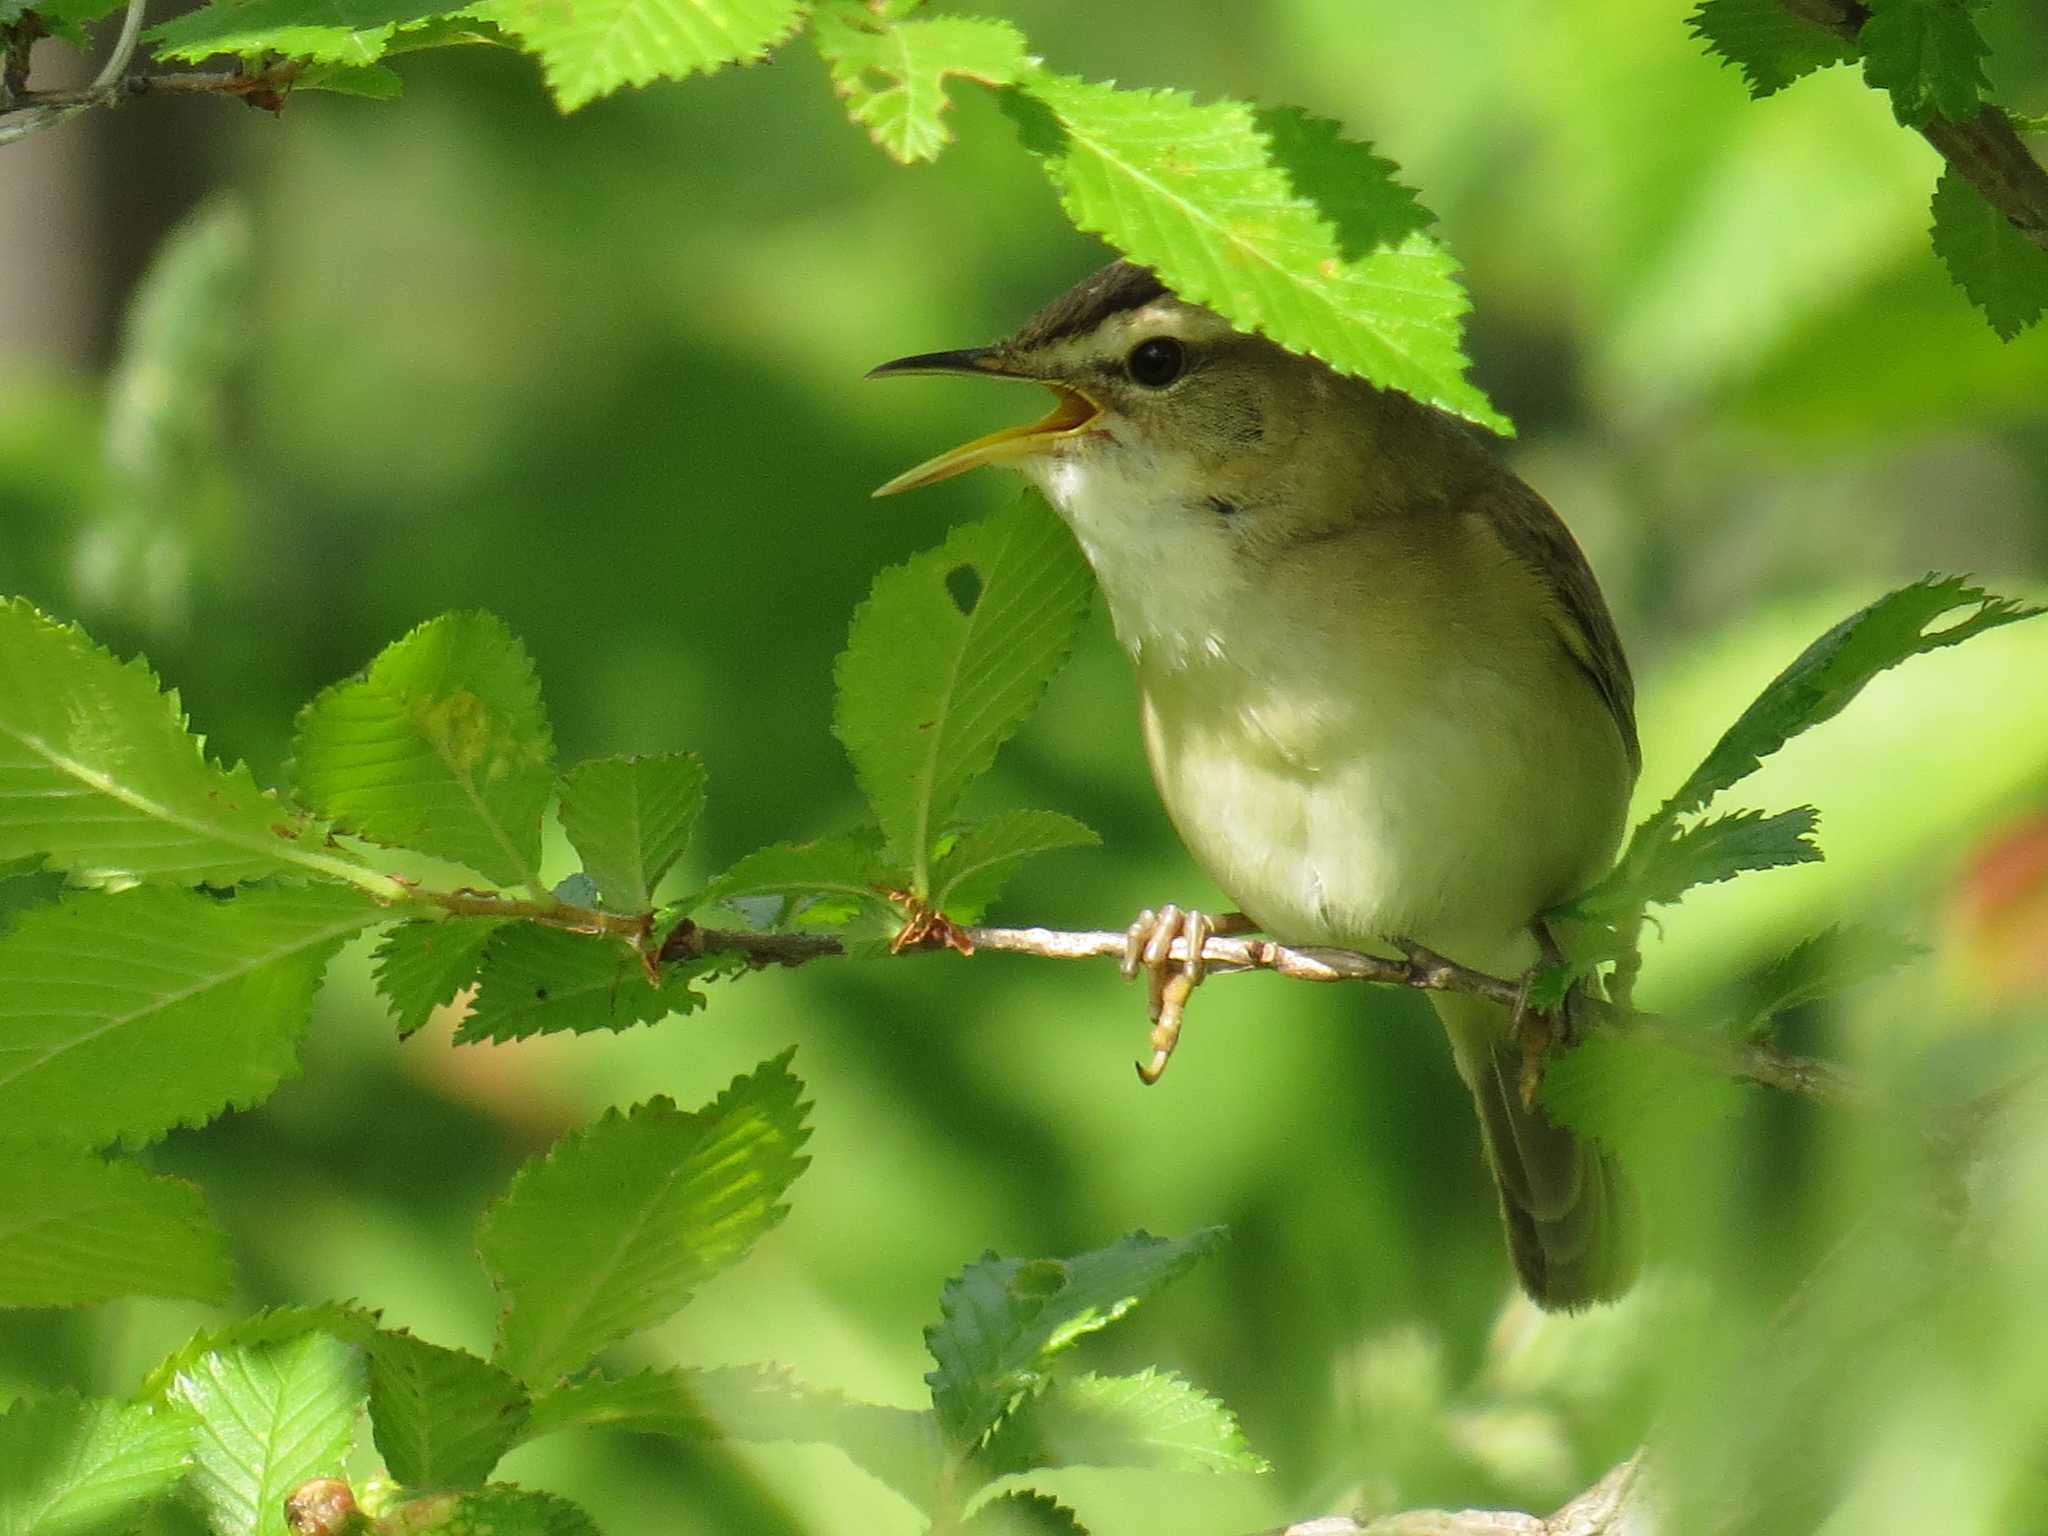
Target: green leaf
x: 1641, y: 1096
x: 1719, y: 848
x: 755, y: 1403
x: 1829, y: 673
x: 613, y: 1229
x: 630, y: 819
x: 269, y: 1418
x: 74, y: 1229
x: 2003, y: 272
x: 946, y: 657
x: 326, y: 31
x: 1834, y: 960
x: 542, y: 981
x: 170, y: 497
x: 372, y: 81
x: 1153, y: 1419
x: 99, y: 776
x: 123, y: 1014
x: 440, y: 745
x: 77, y: 1467
x: 499, y: 1510
x: 905, y: 113
x: 422, y: 965
x: 1928, y: 55
x: 1226, y: 205
x: 1002, y: 1320
x: 442, y: 1417
x: 590, y: 48
x: 1023, y: 1513
x: 257, y: 1331
x: 820, y: 884
x: 1770, y: 45
x: 63, y: 16
x: 970, y: 873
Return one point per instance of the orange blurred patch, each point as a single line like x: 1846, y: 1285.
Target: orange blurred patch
x: 1999, y: 915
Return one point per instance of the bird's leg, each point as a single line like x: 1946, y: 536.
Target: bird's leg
x: 1539, y: 1031
x: 1148, y: 946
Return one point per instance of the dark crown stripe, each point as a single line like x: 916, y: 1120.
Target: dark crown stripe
x: 1117, y: 287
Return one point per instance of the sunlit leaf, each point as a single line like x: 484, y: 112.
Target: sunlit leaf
x: 99, y: 776
x: 946, y: 658
x: 78, y: 1467
x: 1718, y: 848
x: 1227, y: 206
x: 968, y: 876
x: 629, y: 818
x: 1001, y: 1321
x: 590, y: 48
x: 1153, y: 1419
x: 123, y: 1014
x: 328, y: 31
x: 76, y: 1229
x: 613, y: 1229
x: 441, y: 744
x: 269, y: 1417
x: 892, y: 74
x: 1824, y: 677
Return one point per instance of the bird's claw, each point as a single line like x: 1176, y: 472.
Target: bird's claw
x: 1148, y: 946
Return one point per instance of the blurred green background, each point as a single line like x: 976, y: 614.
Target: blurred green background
x: 601, y: 376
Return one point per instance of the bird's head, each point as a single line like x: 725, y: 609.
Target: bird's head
x: 1135, y: 371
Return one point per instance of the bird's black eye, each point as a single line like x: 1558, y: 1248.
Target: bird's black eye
x: 1156, y: 362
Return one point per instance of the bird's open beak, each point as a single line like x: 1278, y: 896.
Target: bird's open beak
x: 1074, y: 414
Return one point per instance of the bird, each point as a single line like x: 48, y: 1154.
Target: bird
x: 1380, y: 690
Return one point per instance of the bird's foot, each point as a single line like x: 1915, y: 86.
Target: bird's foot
x: 1541, y: 1031
x: 1148, y: 946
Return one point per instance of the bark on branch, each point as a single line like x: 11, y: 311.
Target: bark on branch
x: 1617, y: 1505
x: 1419, y: 969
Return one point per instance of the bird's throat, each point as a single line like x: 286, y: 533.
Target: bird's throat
x: 1170, y: 568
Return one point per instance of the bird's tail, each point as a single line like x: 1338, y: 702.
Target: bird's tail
x: 1572, y: 1218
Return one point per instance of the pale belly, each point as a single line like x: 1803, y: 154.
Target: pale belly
x: 1387, y: 812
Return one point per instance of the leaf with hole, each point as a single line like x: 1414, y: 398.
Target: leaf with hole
x: 948, y: 655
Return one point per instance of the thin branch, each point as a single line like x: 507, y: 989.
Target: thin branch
x: 1419, y: 969
x: 1617, y: 1505
x: 1986, y: 150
